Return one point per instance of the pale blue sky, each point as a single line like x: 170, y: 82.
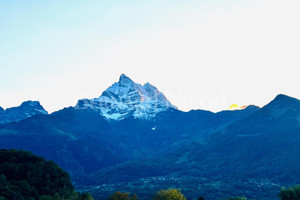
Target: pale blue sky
x: 201, y: 54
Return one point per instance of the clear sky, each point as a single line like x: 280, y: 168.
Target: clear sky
x: 202, y: 54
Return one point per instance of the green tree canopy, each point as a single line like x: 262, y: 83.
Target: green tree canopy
x: 238, y: 198
x: 292, y: 193
x: 170, y: 194
x: 122, y: 196
x: 26, y: 176
x: 87, y: 196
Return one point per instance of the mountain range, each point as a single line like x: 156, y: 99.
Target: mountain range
x: 132, y: 138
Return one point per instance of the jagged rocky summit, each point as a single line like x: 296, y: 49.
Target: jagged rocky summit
x: 127, y: 98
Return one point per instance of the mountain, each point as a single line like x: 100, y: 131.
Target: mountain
x: 70, y: 136
x: 83, y: 140
x: 253, y: 156
x: 127, y: 98
x: 133, y: 137
x: 25, y: 110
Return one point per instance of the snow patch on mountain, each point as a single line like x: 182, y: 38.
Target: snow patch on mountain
x: 127, y: 98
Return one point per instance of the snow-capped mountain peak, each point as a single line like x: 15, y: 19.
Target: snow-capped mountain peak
x: 127, y: 98
x: 125, y: 80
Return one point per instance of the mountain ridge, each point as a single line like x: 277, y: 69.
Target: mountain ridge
x: 253, y: 156
x: 83, y: 141
x: 25, y: 110
x: 248, y: 150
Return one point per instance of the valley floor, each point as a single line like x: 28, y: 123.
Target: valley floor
x: 192, y: 188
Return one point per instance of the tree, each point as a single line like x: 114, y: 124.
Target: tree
x: 292, y: 193
x: 122, y: 196
x: 26, y: 176
x: 134, y: 197
x: 56, y: 196
x: 238, y: 198
x: 74, y: 196
x: 87, y: 196
x: 170, y: 194
x: 45, y: 197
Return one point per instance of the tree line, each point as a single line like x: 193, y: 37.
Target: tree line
x: 24, y: 176
x: 292, y: 193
